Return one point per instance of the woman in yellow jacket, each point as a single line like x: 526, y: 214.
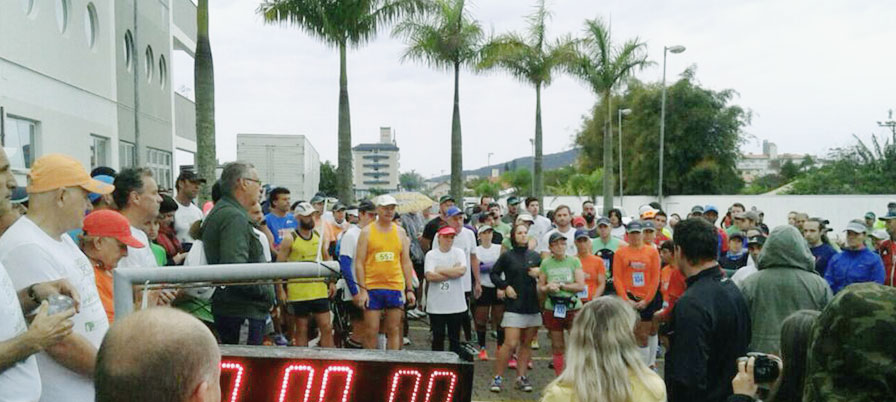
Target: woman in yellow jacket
x: 603, y: 362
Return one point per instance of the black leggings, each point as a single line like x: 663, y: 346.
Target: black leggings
x: 451, y: 322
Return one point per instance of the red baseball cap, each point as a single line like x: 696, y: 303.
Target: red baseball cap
x: 578, y: 221
x: 447, y: 231
x: 109, y: 223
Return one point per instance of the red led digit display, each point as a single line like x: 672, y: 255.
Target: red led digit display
x: 307, y: 375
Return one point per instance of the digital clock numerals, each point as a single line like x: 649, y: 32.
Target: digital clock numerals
x: 297, y: 383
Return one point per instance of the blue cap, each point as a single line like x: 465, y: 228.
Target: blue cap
x: 453, y: 211
x: 711, y: 208
x: 648, y: 224
x: 580, y: 233
x: 103, y: 178
x: 634, y: 226
x: 603, y: 220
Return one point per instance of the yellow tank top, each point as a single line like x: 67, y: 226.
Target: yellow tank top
x: 382, y: 267
x: 305, y: 250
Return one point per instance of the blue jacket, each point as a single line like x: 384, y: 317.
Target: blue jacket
x: 854, y: 266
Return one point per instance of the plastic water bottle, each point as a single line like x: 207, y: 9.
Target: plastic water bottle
x: 59, y: 303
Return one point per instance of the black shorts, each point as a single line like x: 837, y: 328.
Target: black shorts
x: 489, y: 297
x: 655, y: 305
x: 354, y: 312
x: 304, y: 308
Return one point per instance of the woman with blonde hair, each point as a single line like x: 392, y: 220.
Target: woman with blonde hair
x: 603, y: 361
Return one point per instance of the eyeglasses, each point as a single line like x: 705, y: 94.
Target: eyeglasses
x: 251, y: 179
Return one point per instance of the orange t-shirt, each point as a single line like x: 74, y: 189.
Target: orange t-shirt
x: 595, y: 275
x: 106, y: 289
x: 673, y: 285
x: 636, y: 271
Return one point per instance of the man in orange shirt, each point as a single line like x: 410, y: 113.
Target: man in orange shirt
x: 636, y: 276
x: 592, y: 265
x: 672, y: 281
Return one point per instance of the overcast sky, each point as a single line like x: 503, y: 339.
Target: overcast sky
x: 811, y: 72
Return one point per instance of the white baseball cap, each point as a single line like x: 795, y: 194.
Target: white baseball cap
x: 385, y: 200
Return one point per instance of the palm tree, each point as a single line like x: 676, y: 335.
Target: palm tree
x: 340, y: 24
x: 532, y: 61
x: 447, y: 38
x: 204, y: 77
x: 603, y: 67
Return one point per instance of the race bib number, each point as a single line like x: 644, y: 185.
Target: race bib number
x: 583, y: 294
x: 385, y: 256
x: 638, y: 279
x: 560, y: 310
x: 444, y: 287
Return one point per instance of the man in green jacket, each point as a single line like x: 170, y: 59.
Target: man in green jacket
x: 228, y: 238
x: 786, y: 282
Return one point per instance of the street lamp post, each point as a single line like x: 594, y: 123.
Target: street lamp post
x: 676, y: 50
x: 621, y: 112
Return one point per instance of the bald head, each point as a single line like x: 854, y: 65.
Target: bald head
x: 160, y: 349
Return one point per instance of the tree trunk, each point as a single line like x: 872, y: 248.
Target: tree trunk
x: 608, y: 156
x: 457, y: 165
x: 204, y: 77
x: 345, y: 134
x: 539, y: 172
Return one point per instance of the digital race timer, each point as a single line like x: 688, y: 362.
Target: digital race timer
x: 280, y: 374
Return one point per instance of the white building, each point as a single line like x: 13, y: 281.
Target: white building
x: 282, y: 161
x: 68, y: 70
x: 376, y: 165
x: 752, y: 166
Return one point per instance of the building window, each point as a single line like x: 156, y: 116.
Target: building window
x: 160, y: 163
x: 91, y: 25
x: 163, y: 71
x: 62, y: 9
x: 127, y: 155
x: 150, y: 64
x: 19, y: 140
x: 128, y: 49
x: 99, y: 151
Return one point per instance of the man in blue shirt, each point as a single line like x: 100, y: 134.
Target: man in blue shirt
x: 813, y: 232
x: 280, y: 217
x: 855, y: 263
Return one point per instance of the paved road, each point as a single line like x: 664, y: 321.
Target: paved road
x: 540, y: 376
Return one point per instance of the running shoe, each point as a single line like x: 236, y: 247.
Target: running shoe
x: 512, y: 362
x: 551, y: 364
x: 497, y: 384
x: 483, y: 354
x: 534, y: 344
x: 531, y: 365
x: 523, y: 384
x: 280, y: 340
x: 406, y: 341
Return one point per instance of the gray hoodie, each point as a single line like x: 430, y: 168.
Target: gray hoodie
x: 786, y: 282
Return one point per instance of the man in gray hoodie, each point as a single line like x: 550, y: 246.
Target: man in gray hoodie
x: 786, y: 282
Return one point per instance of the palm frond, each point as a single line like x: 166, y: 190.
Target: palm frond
x: 445, y: 35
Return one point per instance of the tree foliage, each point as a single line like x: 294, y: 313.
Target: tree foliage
x: 858, y: 169
x: 411, y: 181
x: 520, y: 180
x: 329, y: 181
x: 703, y: 136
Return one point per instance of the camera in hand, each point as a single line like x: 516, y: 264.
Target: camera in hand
x: 765, y: 368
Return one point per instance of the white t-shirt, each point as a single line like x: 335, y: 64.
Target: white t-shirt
x: 31, y: 256
x: 487, y: 258
x: 544, y: 246
x: 139, y: 257
x: 742, y: 274
x: 466, y: 241
x: 21, y: 382
x: 184, y: 217
x: 347, y: 247
x: 541, y: 226
x: 446, y: 297
x: 265, y: 244
x: 618, y: 233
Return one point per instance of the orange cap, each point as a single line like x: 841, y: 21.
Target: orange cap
x: 649, y: 214
x: 53, y: 171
